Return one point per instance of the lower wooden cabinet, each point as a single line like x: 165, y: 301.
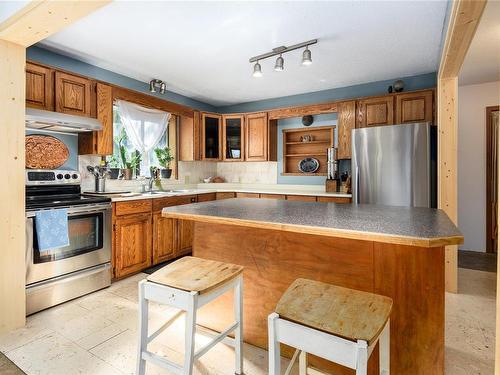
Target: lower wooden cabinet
x: 185, y: 233
x: 132, y: 243
x: 164, y: 238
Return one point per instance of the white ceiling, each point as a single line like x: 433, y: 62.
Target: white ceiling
x: 201, y: 49
x: 482, y: 62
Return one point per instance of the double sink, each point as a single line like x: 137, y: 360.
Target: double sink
x: 166, y: 192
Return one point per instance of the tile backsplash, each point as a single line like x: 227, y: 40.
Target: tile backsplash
x: 249, y: 172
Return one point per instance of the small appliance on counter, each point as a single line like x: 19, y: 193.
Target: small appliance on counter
x: 56, y: 275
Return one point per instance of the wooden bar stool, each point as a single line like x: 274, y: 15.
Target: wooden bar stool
x: 188, y: 284
x: 338, y: 324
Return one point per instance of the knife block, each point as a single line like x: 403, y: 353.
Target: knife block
x: 330, y: 186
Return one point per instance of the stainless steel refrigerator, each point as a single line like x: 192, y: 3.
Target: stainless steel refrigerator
x: 395, y: 165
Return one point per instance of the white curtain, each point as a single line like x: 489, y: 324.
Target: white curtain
x: 144, y: 127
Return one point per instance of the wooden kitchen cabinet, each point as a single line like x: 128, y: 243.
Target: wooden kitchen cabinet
x: 233, y: 137
x: 185, y: 234
x: 211, y: 136
x: 190, y: 137
x: 224, y: 195
x: 39, y: 87
x: 334, y: 199
x: 164, y: 238
x: 301, y: 198
x: 73, y: 94
x: 247, y: 195
x: 100, y: 142
x: 346, y: 123
x: 132, y: 235
x: 256, y: 133
x: 375, y: 111
x: 415, y: 106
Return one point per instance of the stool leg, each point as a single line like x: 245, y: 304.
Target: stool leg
x: 238, y: 334
x: 143, y: 329
x: 190, y: 331
x: 384, y: 347
x: 303, y: 363
x: 274, y: 345
x: 362, y: 361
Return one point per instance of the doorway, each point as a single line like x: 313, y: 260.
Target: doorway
x: 492, y: 156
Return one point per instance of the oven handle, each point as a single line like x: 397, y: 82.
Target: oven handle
x: 79, y: 210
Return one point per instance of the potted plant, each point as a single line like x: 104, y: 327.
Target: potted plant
x: 164, y: 157
x: 114, y: 167
x: 128, y: 165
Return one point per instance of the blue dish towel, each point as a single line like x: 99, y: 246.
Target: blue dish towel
x: 52, y: 228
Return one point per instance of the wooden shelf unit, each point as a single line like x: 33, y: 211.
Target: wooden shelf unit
x: 295, y: 150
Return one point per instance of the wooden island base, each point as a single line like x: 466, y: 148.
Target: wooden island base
x: 412, y: 276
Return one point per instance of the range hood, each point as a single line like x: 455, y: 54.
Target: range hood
x: 61, y: 122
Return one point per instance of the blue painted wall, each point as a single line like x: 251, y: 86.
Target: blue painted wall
x: 294, y: 123
x: 422, y: 81
x: 70, y: 140
x: 67, y: 63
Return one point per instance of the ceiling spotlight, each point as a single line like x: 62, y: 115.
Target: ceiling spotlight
x: 152, y: 86
x: 279, y: 66
x: 306, y: 57
x: 257, y: 70
x: 163, y: 88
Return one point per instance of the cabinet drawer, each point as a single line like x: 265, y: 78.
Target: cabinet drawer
x: 207, y: 197
x: 302, y: 198
x: 247, y: 195
x: 160, y: 203
x: 225, y: 195
x: 334, y: 199
x: 133, y: 207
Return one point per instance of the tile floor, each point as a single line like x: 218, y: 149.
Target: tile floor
x: 97, y: 334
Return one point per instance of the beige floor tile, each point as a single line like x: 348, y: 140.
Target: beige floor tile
x: 96, y: 338
x: 54, y: 355
x: 33, y: 330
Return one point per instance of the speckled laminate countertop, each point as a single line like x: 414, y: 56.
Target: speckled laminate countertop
x: 416, y: 226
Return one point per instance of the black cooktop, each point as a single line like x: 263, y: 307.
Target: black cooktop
x: 39, y: 197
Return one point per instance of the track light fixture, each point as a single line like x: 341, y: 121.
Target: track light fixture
x: 257, y: 70
x: 279, y: 66
x: 157, y: 83
x: 280, y: 62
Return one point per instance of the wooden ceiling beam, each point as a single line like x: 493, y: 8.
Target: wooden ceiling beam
x: 41, y: 19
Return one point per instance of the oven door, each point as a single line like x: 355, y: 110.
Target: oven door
x: 89, y: 230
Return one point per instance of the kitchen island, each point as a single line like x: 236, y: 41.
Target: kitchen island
x: 393, y: 251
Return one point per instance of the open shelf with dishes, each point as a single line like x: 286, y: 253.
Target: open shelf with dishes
x: 309, y: 147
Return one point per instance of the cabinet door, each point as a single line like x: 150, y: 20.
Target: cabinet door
x: 190, y: 138
x: 73, y: 94
x: 132, y: 244
x: 185, y: 232
x: 100, y: 142
x: 39, y: 87
x: 301, y: 198
x: 375, y: 111
x: 163, y: 238
x: 256, y: 137
x: 211, y: 136
x: 415, y: 107
x: 233, y: 137
x: 346, y: 123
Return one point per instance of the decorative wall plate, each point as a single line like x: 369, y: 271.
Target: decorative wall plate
x: 45, y: 152
x: 308, y: 165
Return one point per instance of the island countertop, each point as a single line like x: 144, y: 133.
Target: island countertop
x: 414, y: 226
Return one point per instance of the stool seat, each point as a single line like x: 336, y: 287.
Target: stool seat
x: 195, y: 274
x: 347, y: 313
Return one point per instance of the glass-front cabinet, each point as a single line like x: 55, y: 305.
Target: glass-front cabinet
x: 211, y: 136
x: 233, y: 137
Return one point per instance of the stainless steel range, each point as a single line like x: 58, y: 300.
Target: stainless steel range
x: 57, y: 275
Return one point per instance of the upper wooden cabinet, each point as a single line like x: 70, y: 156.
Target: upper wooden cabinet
x: 100, y: 142
x: 256, y: 137
x: 73, y: 94
x: 346, y: 123
x: 415, y: 106
x: 375, y: 111
x: 233, y: 137
x: 190, y: 137
x: 211, y: 136
x: 39, y: 87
